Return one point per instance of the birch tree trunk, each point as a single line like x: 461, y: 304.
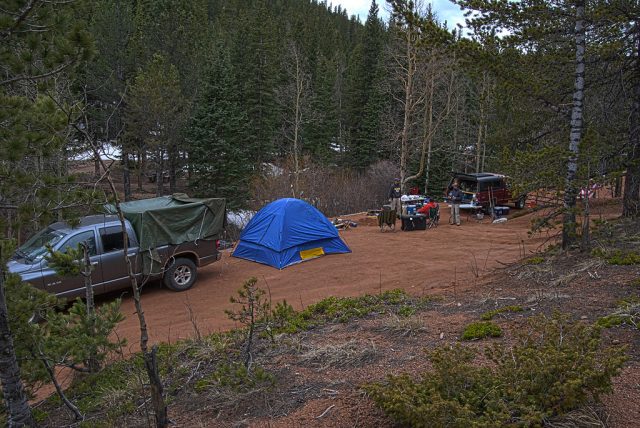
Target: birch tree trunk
x: 297, y: 122
x: 570, y: 191
x: 408, y: 79
x: 429, y: 131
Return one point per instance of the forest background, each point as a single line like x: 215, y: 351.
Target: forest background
x: 255, y: 100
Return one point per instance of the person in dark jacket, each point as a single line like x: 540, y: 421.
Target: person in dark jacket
x: 395, y: 193
x: 455, y: 199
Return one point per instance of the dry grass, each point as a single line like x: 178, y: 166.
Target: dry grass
x: 343, y: 355
x: 586, y: 417
x: 403, y: 326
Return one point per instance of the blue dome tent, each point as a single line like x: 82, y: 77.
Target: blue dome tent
x: 288, y: 231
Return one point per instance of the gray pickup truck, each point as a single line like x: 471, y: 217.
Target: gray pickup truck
x: 104, y: 239
x: 169, y: 238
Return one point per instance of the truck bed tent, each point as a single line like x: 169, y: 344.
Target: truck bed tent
x: 288, y: 231
x: 172, y: 220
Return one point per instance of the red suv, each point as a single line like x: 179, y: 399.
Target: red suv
x: 486, y: 189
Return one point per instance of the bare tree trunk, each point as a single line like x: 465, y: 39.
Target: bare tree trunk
x: 150, y: 360
x: 570, y: 191
x: 52, y: 375
x: 92, y: 364
x: 173, y: 166
x: 484, y: 146
x: 96, y: 167
x: 481, y: 119
x: 160, y: 173
x: 408, y: 106
x: 18, y: 410
x: 126, y: 174
x: 429, y: 132
x: 631, y: 197
x: 429, y: 125
x: 297, y: 124
x: 454, y: 150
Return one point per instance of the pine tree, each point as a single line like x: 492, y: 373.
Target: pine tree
x: 40, y: 41
x: 156, y: 113
x: 367, y: 99
x: 218, y: 135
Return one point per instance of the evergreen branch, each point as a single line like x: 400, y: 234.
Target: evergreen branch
x: 24, y: 13
x: 39, y: 76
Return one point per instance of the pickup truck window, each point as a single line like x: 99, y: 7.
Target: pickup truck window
x: 87, y: 237
x: 112, y: 239
x: 36, y: 246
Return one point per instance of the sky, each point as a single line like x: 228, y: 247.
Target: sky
x: 445, y: 10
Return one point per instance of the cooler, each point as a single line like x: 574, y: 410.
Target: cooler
x: 501, y: 211
x: 414, y: 222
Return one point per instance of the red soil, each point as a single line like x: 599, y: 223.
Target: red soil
x: 447, y: 259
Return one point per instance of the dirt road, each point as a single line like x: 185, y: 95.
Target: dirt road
x: 447, y: 259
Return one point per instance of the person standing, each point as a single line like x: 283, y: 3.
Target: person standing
x: 455, y: 199
x: 394, y: 196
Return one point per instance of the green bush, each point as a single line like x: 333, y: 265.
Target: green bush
x: 480, y: 330
x: 635, y: 283
x: 488, y: 316
x: 555, y: 367
x: 340, y: 309
x: 617, y: 257
x: 236, y: 377
x: 534, y: 261
x: 627, y: 312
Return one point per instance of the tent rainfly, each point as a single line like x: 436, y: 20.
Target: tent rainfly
x: 288, y: 231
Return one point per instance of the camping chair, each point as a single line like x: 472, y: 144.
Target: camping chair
x: 434, y: 217
x: 387, y: 217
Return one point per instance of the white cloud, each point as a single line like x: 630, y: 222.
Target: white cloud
x: 447, y: 11
x: 444, y: 9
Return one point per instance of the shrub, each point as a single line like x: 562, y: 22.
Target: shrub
x: 627, y: 312
x: 236, y: 377
x: 480, y: 330
x: 555, y: 367
x: 534, y: 261
x: 635, y: 283
x: 340, y: 309
x: 618, y: 257
x: 488, y: 316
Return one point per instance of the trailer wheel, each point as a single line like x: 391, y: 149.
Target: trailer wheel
x: 180, y: 275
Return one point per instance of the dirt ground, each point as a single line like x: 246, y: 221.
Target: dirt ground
x: 444, y: 260
x: 320, y: 372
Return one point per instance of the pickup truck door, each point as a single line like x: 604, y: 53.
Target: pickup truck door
x: 73, y: 286
x: 112, y: 263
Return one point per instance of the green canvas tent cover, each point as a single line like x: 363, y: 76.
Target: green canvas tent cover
x: 173, y: 219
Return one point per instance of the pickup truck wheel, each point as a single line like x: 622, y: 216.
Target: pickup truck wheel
x: 180, y: 275
x: 520, y: 202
